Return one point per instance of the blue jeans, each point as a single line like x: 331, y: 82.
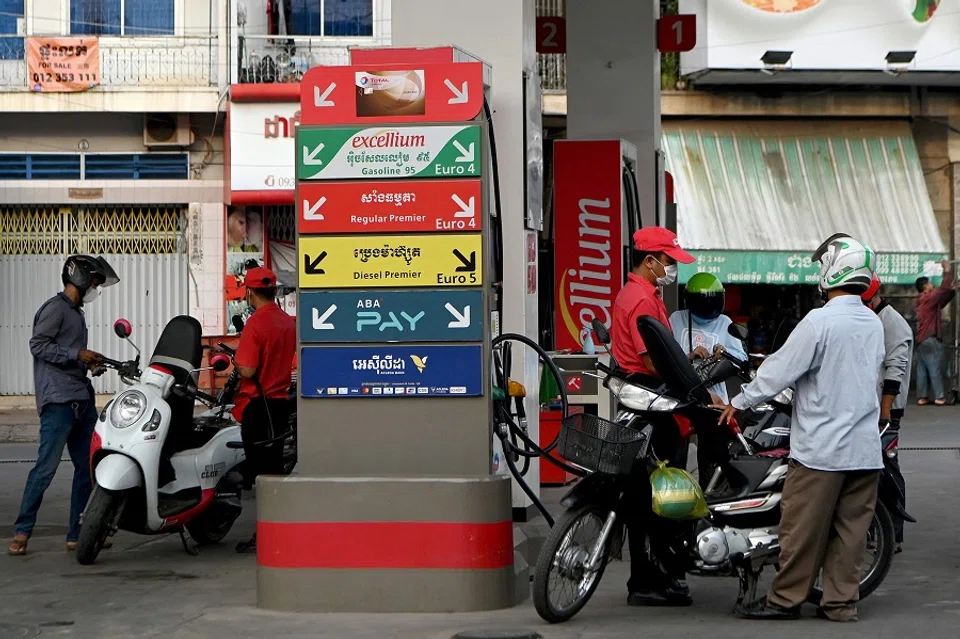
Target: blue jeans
x: 930, y: 368
x: 69, y: 425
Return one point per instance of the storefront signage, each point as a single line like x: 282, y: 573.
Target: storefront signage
x: 62, y: 65
x: 262, y: 143
x: 389, y: 371
x: 391, y: 316
x: 391, y: 261
x: 392, y: 207
x: 588, y: 236
x: 782, y: 267
x: 449, y: 92
x: 388, y: 152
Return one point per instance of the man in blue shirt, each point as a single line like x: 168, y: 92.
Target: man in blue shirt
x: 832, y: 358
x: 64, y: 394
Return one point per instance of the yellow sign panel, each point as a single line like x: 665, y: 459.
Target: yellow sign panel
x: 391, y: 261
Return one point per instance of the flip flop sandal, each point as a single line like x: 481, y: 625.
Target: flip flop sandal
x: 18, y: 546
x: 940, y: 402
x: 923, y: 402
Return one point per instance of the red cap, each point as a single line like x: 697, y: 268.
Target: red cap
x: 260, y: 277
x: 871, y: 292
x: 656, y: 239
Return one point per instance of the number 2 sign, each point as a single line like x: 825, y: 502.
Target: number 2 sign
x: 677, y: 33
x: 551, y: 35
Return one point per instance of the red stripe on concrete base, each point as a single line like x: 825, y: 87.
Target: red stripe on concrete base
x: 384, y: 545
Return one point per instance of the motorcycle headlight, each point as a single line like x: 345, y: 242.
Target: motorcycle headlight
x: 128, y: 409
x: 639, y: 398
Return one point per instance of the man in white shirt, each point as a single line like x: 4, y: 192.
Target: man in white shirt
x: 831, y: 359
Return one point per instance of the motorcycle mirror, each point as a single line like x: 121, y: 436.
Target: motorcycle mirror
x: 722, y: 370
x: 237, y: 322
x: 122, y: 328
x: 738, y: 331
x: 219, y: 362
x: 600, y: 332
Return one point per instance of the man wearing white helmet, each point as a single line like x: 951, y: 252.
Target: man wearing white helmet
x: 831, y: 359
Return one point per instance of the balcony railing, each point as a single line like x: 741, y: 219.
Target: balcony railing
x: 134, y: 61
x: 270, y: 58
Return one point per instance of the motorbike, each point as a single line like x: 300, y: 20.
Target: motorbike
x: 157, y: 468
x: 738, y: 538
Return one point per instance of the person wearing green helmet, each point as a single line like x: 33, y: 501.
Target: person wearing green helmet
x: 701, y: 328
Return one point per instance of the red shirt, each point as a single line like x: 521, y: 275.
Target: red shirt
x: 637, y: 298
x: 268, y: 344
x: 929, y: 305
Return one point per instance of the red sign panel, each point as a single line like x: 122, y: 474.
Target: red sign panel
x: 389, y: 207
x: 588, y: 236
x: 575, y: 382
x: 677, y: 33
x: 394, y: 93
x: 401, y: 55
x: 668, y: 187
x: 551, y: 35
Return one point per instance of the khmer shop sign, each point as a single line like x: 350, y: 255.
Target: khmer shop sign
x: 388, y: 152
x: 783, y: 267
x: 454, y: 315
x: 391, y: 261
x: 389, y: 206
x: 391, y: 371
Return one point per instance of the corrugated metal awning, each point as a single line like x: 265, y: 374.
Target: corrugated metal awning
x: 781, y: 187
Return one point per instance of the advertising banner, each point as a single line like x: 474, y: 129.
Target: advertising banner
x: 386, y: 370
x: 388, y: 152
x: 62, y: 65
x: 262, y: 143
x: 391, y: 261
x: 391, y: 316
x: 389, y: 207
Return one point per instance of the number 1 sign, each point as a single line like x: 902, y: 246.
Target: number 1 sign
x: 677, y: 33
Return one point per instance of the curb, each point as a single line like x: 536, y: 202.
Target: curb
x: 19, y: 433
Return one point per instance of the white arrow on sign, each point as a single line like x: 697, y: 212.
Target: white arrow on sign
x: 310, y: 157
x: 461, y: 320
x: 467, y: 209
x: 320, y: 322
x: 310, y: 211
x: 320, y: 99
x: 461, y: 95
x: 466, y: 154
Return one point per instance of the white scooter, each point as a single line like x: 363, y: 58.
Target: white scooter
x: 157, y: 468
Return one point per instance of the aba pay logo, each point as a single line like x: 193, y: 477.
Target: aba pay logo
x: 420, y: 363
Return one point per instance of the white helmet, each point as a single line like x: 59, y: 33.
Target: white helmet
x: 845, y: 262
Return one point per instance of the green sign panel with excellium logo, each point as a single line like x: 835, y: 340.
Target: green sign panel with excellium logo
x: 783, y: 267
x: 388, y: 152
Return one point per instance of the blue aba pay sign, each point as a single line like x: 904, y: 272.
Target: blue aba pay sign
x: 391, y: 316
x: 388, y: 371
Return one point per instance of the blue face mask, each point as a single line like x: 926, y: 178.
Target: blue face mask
x: 701, y: 320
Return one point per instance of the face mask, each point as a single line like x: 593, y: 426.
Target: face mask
x: 669, y: 274
x: 91, y: 295
x: 699, y: 320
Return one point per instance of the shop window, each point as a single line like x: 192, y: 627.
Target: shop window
x: 11, y: 15
x: 43, y: 166
x: 330, y: 18
x: 121, y: 17
x: 139, y: 166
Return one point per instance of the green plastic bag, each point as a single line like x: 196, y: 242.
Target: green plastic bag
x: 676, y: 494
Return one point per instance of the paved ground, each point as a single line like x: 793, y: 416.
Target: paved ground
x: 147, y: 587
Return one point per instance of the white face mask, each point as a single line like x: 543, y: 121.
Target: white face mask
x: 669, y: 274
x: 91, y: 295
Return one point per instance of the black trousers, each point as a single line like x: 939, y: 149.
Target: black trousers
x: 255, y: 427
x: 895, y: 417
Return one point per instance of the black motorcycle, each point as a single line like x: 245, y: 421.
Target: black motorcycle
x: 738, y: 537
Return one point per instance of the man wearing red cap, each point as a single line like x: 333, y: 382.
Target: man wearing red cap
x: 655, y: 256
x: 267, y: 346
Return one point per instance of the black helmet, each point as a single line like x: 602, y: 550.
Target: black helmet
x: 704, y: 296
x: 83, y: 271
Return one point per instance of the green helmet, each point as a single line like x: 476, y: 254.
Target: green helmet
x: 704, y: 296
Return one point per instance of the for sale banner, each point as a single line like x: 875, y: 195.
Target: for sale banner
x: 63, y: 65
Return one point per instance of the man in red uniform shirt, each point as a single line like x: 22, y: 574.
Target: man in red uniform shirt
x: 656, y: 580
x: 267, y: 346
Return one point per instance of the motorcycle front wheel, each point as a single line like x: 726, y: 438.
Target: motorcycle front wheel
x: 562, y: 564
x: 877, y: 558
x: 98, y: 519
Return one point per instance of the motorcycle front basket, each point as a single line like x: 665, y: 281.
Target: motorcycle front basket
x: 598, y: 445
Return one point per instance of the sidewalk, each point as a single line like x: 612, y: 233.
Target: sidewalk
x: 19, y: 421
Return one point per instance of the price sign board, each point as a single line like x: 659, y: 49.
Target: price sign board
x: 388, y: 152
x: 389, y: 207
x: 391, y: 261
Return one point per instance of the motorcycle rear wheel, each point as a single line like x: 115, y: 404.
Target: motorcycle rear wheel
x: 882, y: 528
x: 560, y: 554
x: 98, y: 517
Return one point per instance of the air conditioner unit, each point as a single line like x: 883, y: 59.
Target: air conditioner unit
x: 167, y: 130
